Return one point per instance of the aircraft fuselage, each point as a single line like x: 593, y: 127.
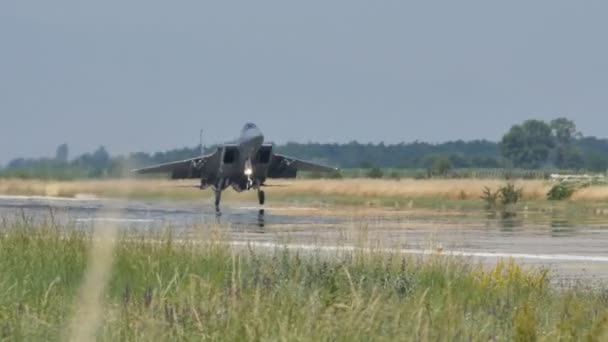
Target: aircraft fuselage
x: 239, y: 162
x: 243, y: 164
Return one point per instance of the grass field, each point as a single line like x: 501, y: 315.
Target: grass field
x: 447, y: 189
x: 155, y: 286
x: 351, y: 197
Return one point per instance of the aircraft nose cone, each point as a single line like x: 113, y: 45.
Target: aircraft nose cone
x: 259, y: 139
x: 255, y: 134
x: 252, y: 134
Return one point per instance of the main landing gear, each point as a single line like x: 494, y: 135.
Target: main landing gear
x: 261, y: 199
x: 218, y: 198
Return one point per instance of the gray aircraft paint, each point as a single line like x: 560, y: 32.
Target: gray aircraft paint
x: 244, y: 165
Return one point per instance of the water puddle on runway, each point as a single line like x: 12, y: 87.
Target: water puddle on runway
x: 574, y: 247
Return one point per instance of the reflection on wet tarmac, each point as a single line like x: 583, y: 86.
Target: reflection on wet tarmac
x: 550, y: 234
x: 261, y: 218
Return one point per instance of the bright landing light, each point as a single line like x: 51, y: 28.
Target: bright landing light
x: 248, y: 171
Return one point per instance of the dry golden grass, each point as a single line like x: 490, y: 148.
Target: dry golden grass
x: 364, y: 188
x: 431, y: 188
x: 593, y: 193
x: 102, y: 188
x: 369, y: 188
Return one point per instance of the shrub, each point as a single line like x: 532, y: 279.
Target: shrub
x: 525, y: 324
x: 490, y: 198
x: 335, y: 175
x: 559, y: 192
x: 375, y: 172
x: 509, y: 195
x: 441, y: 166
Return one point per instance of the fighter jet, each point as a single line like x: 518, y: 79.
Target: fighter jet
x: 244, y: 164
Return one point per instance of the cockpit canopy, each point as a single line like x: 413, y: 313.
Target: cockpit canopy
x: 248, y: 126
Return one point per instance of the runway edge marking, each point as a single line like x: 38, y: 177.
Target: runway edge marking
x: 525, y: 256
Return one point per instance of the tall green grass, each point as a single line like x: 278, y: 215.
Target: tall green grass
x: 166, y: 287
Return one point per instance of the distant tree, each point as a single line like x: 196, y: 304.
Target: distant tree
x: 437, y: 165
x: 62, y: 153
x: 96, y: 164
x: 597, y: 162
x: 442, y: 166
x: 459, y: 161
x: 101, y: 160
x: 592, y: 145
x: 566, y: 155
x: 528, y: 145
x: 484, y: 162
x: 375, y: 172
x: 564, y: 130
x: 401, y: 155
x: 396, y: 175
x: 18, y: 163
x: 366, y: 165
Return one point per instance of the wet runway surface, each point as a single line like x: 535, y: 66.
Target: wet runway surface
x: 574, y: 251
x: 145, y: 214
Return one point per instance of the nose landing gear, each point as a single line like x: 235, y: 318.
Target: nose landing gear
x: 218, y: 197
x: 261, y: 196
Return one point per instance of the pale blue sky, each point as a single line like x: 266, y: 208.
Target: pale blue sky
x: 145, y: 75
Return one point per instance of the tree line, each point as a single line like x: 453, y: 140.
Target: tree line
x: 532, y: 144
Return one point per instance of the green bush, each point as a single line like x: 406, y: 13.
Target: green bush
x: 375, y: 172
x: 490, y: 198
x: 503, y: 199
x: 559, y: 192
x: 334, y: 175
x: 509, y: 195
x: 438, y: 165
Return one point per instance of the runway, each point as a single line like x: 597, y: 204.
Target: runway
x: 572, y: 251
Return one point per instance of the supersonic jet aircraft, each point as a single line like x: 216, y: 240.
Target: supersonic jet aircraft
x: 244, y: 165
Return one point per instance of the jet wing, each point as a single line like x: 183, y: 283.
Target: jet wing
x: 287, y: 167
x: 183, y: 169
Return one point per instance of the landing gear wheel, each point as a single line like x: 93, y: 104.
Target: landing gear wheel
x: 218, y: 197
x: 261, y: 197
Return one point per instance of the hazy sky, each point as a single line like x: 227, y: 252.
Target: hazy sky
x: 146, y: 75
